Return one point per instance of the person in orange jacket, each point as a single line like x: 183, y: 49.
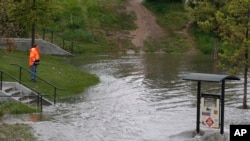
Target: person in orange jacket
x: 34, y: 59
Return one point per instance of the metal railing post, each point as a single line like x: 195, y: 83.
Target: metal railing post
x: 41, y: 102
x: 72, y: 45
x: 1, y: 80
x: 54, y: 95
x: 20, y: 75
x: 55, y: 88
x: 52, y: 38
x: 37, y: 101
x: 44, y: 33
x: 63, y: 43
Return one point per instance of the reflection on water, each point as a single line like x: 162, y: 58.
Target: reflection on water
x: 140, y: 98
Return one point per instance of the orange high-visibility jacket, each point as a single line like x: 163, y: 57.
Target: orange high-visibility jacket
x: 38, y: 53
x: 34, y: 55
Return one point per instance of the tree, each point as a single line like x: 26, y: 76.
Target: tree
x: 35, y: 12
x: 204, y: 14
x: 9, y: 26
x: 20, y: 15
x: 235, y: 27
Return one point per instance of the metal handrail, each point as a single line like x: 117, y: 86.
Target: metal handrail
x: 1, y: 78
x: 53, y: 32
x: 40, y: 96
x: 39, y: 99
x: 20, y: 80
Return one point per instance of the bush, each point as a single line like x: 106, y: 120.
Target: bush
x: 204, y: 40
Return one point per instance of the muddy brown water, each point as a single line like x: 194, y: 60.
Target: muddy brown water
x: 140, y: 98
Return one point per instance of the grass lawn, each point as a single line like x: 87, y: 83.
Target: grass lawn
x: 17, y: 132
x: 55, y: 70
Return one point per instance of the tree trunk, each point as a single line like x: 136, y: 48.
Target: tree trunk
x: 245, y: 79
x: 245, y: 74
x: 33, y: 28
x: 216, y: 42
x: 33, y: 34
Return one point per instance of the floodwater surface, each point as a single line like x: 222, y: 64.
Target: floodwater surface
x: 140, y: 98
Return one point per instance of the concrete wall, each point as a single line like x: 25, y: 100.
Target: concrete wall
x: 24, y: 44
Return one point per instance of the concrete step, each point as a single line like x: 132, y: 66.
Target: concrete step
x: 8, y: 88
x: 28, y: 101
x: 21, y: 94
x: 15, y: 93
x: 22, y: 98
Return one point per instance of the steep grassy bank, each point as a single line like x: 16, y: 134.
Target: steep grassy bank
x: 204, y: 40
x: 173, y: 17
x: 94, y: 26
x: 56, y: 70
x: 103, y: 26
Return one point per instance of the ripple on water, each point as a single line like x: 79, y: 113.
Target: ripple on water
x: 140, y: 98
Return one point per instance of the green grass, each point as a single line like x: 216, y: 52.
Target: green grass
x: 94, y: 26
x: 204, y: 40
x: 172, y: 17
x: 16, y: 108
x: 55, y: 70
x: 17, y: 132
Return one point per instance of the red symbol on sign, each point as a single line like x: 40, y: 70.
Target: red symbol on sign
x: 209, y: 121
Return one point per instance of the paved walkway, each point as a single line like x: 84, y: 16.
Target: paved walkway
x: 24, y: 44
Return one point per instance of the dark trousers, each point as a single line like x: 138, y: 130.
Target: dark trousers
x: 33, y: 72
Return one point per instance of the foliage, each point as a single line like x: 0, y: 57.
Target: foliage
x: 230, y: 22
x: 173, y: 18
x: 234, y: 26
x: 204, y: 40
x: 204, y: 15
x: 88, y: 22
x: 84, y: 22
x: 18, y: 16
x: 8, y: 25
x: 235, y: 32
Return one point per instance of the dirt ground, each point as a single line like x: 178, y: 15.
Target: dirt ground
x: 147, y: 26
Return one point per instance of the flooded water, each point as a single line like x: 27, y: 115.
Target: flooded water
x: 140, y: 98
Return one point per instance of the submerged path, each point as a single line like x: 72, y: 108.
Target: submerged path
x: 146, y: 23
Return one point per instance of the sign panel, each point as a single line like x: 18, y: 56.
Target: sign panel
x: 210, y: 111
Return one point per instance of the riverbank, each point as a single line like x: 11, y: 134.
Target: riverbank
x: 59, y: 66
x: 57, y: 70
